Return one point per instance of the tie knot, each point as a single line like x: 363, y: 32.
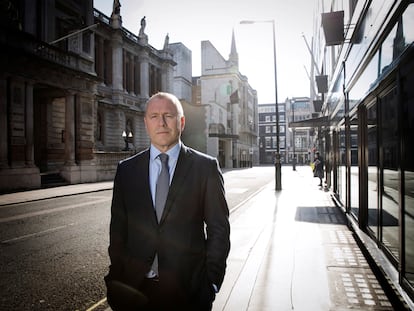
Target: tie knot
x: 163, y: 157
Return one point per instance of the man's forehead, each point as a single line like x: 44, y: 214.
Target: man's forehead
x: 161, y: 105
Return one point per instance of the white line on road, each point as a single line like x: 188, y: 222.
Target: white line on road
x: 52, y: 210
x: 35, y: 234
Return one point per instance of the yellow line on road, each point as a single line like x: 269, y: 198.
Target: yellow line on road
x: 97, y: 304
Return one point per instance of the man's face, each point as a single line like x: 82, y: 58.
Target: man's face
x: 163, y: 124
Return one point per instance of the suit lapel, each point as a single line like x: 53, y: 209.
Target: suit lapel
x: 143, y: 187
x: 183, y: 167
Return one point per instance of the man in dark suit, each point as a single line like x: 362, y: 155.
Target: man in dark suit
x: 173, y: 259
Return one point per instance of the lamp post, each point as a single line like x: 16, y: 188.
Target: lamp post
x: 293, y: 134
x: 278, y: 165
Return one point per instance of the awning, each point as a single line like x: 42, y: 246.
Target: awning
x: 309, y: 123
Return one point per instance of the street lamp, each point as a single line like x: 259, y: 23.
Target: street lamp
x: 278, y: 165
x: 127, y: 138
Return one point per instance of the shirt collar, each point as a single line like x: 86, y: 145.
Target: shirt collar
x: 172, y: 152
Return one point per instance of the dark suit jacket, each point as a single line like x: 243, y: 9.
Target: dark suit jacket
x: 192, y: 238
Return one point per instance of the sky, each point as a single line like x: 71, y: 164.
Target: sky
x: 193, y: 21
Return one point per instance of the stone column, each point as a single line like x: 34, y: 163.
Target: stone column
x: 100, y: 58
x: 131, y: 74
x: 117, y: 69
x: 124, y: 69
x: 144, y: 76
x: 137, y: 74
x: 3, y: 124
x: 70, y: 130
x: 29, y: 131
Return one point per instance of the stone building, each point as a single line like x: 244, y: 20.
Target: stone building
x: 224, y: 106
x: 72, y: 82
x: 300, y: 135
x: 268, y: 133
x: 129, y: 72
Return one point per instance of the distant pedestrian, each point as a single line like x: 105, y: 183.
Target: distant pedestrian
x: 318, y: 167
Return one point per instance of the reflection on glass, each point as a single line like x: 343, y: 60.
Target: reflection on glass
x: 354, y: 186
x: 408, y: 166
x: 342, y: 166
x: 409, y: 219
x: 372, y: 169
x: 390, y: 188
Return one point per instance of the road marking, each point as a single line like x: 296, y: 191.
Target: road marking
x: 248, y: 198
x: 35, y: 234
x: 52, y: 210
x: 237, y: 190
x: 102, y: 301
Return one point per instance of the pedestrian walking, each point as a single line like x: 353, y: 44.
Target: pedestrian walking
x: 318, y: 167
x: 169, y: 229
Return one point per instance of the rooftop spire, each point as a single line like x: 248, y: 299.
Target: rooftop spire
x: 233, y: 57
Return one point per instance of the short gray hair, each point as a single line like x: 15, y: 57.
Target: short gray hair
x: 171, y: 97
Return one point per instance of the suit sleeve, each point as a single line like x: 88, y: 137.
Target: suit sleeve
x: 217, y: 225
x: 117, y: 229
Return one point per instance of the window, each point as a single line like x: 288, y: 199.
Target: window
x: 372, y: 158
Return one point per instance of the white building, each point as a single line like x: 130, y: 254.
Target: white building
x: 230, y: 109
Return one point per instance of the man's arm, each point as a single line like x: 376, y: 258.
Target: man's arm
x: 217, y: 225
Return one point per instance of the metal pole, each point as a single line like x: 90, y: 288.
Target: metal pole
x: 278, y: 165
x: 293, y: 132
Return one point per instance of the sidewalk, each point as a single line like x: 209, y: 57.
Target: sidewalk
x: 41, y: 194
x: 305, y: 258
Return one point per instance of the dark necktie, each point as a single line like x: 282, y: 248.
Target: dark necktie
x: 161, y: 192
x: 163, y: 184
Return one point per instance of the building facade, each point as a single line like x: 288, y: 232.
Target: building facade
x: 73, y: 83
x: 267, y: 133
x: 223, y: 117
x: 365, y: 52
x: 129, y: 70
x: 48, y: 86
x: 300, y: 138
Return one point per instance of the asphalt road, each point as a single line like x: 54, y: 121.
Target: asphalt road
x: 53, y: 252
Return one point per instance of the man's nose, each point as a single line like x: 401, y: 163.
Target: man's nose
x: 162, y: 120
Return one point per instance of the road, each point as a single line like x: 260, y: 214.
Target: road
x: 53, y: 252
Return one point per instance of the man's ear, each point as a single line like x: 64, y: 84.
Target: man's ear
x: 182, y: 121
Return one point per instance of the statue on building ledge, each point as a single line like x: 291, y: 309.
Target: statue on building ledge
x: 116, y: 20
x: 143, y: 38
x: 116, y: 8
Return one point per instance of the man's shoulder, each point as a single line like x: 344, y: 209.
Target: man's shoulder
x: 135, y: 158
x: 198, y: 154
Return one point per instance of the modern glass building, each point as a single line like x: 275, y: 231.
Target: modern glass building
x: 365, y: 51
